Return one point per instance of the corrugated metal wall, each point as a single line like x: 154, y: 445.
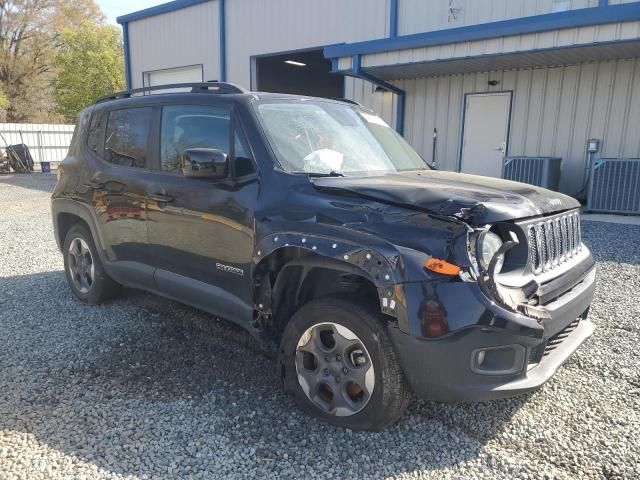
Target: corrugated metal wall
x: 187, y: 36
x: 426, y: 15
x: 259, y: 27
x: 383, y: 103
x: 555, y: 111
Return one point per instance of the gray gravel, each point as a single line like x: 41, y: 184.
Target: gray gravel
x: 147, y: 388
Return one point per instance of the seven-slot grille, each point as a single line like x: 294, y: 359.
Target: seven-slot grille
x: 554, y: 241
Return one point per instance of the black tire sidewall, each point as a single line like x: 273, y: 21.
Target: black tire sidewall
x: 370, y: 331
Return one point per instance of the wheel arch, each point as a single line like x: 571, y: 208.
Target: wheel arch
x: 293, y: 269
x: 67, y: 213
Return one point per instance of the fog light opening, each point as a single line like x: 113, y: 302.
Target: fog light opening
x: 502, y: 360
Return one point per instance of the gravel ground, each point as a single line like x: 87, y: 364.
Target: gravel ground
x: 144, y: 387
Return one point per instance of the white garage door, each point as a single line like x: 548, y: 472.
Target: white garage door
x: 173, y: 75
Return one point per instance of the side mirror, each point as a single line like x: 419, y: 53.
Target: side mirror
x: 204, y: 163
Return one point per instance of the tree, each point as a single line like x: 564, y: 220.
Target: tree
x: 90, y: 65
x: 30, y: 38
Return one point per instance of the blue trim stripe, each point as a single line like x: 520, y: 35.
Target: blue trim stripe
x: 127, y: 56
x: 393, y: 18
x: 603, y: 3
x: 222, y: 20
x: 158, y: 9
x: 534, y: 24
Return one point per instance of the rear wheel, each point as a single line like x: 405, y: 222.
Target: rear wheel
x: 84, y: 271
x: 339, y: 365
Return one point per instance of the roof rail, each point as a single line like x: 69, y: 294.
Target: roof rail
x: 346, y: 100
x: 201, y: 87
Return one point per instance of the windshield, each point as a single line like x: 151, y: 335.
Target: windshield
x: 328, y: 138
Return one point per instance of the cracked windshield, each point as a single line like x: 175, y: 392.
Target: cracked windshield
x: 326, y: 138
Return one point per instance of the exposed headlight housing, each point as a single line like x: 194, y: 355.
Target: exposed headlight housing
x: 487, y: 245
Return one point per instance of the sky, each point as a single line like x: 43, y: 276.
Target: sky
x: 115, y: 8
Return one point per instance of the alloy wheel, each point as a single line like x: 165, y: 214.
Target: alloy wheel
x: 334, y: 369
x: 81, y: 265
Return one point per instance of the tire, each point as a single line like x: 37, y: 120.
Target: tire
x: 101, y: 287
x: 301, y: 359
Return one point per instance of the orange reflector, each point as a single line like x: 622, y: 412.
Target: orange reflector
x: 440, y: 266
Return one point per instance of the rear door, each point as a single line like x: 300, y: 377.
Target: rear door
x: 118, y: 142
x: 201, y: 231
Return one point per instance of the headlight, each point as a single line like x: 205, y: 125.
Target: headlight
x: 488, y: 245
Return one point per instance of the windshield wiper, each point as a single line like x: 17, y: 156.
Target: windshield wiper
x: 332, y: 173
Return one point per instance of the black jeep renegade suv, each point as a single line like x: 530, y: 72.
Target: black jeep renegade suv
x: 316, y: 227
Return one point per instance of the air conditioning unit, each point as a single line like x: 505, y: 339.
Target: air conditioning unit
x: 541, y: 171
x: 614, y: 186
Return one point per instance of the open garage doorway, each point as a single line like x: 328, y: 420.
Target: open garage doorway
x: 302, y: 73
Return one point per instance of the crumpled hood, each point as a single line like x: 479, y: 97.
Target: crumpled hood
x: 475, y: 199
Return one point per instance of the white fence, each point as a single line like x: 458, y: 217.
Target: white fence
x: 47, y: 142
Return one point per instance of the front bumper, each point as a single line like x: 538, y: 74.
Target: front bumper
x: 446, y: 368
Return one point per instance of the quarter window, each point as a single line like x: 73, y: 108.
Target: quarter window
x: 95, y: 128
x: 127, y: 136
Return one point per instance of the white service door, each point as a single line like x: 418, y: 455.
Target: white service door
x: 486, y: 128
x: 173, y: 75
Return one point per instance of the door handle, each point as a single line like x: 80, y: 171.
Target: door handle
x: 161, y: 197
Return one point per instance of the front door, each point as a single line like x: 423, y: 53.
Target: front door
x: 201, y: 230
x: 486, y: 130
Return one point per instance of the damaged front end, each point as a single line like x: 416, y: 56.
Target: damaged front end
x: 514, y: 313
x: 525, y: 265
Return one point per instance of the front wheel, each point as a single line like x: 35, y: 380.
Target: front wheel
x: 338, y: 363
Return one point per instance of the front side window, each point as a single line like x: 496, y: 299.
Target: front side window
x: 127, y: 136
x: 192, y: 126
x: 322, y: 137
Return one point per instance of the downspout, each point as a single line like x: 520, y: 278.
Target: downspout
x: 393, y: 18
x: 127, y: 57
x: 356, y: 71
x: 222, y: 27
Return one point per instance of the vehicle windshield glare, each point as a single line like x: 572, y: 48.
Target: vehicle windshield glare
x: 330, y: 138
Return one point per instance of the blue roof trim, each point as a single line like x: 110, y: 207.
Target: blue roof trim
x: 517, y: 26
x: 159, y: 9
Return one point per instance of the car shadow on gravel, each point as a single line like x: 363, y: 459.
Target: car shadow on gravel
x: 144, y: 385
x: 43, y: 182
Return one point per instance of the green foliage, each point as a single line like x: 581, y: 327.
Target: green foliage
x: 30, y: 39
x: 90, y: 64
x: 4, y: 101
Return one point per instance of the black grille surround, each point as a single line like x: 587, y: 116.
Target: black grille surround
x: 553, y: 241
x: 537, y: 354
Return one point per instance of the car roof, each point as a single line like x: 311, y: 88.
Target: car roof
x: 168, y: 93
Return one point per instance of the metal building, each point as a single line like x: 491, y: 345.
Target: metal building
x: 466, y: 81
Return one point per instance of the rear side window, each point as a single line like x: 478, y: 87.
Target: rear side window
x: 127, y: 136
